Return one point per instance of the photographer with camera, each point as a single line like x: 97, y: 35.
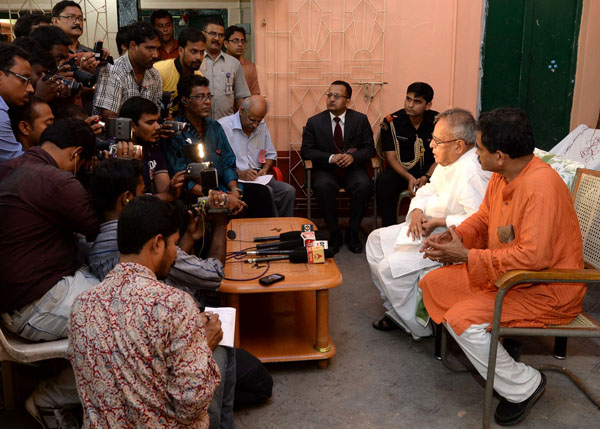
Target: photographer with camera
x: 194, y: 108
x: 146, y: 131
x: 70, y: 80
x: 43, y: 206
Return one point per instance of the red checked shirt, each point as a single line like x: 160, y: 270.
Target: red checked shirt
x: 140, y: 354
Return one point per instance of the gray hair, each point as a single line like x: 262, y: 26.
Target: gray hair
x: 462, y: 124
x: 249, y: 102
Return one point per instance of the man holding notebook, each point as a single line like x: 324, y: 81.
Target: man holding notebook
x: 141, y: 350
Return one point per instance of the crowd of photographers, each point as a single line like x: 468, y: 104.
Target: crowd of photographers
x: 81, y: 136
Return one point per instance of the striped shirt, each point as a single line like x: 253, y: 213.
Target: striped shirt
x: 189, y: 272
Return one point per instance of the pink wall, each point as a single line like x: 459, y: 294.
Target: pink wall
x: 397, y: 42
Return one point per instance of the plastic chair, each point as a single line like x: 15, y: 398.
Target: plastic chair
x: 16, y: 349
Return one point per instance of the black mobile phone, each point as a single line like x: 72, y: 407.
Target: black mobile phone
x: 98, y: 49
x: 270, y: 279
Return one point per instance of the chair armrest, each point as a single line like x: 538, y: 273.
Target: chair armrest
x: 516, y: 277
x: 308, y: 164
x: 375, y: 163
x: 277, y: 174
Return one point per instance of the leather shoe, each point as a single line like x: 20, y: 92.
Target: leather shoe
x: 353, y: 242
x: 335, y: 241
x: 510, y: 413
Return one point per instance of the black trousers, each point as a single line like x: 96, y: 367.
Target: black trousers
x: 326, y: 185
x: 259, y: 200
x: 253, y: 384
x: 389, y: 186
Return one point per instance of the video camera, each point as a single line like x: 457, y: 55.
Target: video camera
x: 98, y: 54
x: 115, y: 130
x: 203, y: 173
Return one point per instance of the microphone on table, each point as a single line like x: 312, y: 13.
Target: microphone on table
x: 298, y: 256
x: 269, y: 252
x: 283, y: 245
x: 289, y: 236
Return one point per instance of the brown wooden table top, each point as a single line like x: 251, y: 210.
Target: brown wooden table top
x: 298, y: 277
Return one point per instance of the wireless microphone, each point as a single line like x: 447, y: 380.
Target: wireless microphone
x: 283, y: 245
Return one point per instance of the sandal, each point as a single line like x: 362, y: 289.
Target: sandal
x: 385, y: 324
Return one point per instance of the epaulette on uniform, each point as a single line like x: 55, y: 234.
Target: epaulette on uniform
x: 390, y: 117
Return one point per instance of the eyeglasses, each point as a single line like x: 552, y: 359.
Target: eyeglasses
x: 336, y: 95
x: 437, y: 141
x: 238, y: 41
x: 253, y: 121
x: 215, y: 34
x: 202, y: 97
x: 75, y: 18
x: 24, y: 79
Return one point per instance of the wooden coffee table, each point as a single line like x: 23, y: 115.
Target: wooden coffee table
x: 289, y: 320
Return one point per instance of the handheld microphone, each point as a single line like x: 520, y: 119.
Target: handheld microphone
x: 283, y: 245
x: 291, y: 235
x: 298, y: 256
x: 268, y: 252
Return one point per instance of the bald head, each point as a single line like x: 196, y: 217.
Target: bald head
x: 252, y: 112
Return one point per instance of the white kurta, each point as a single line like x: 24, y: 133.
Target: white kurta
x: 454, y: 192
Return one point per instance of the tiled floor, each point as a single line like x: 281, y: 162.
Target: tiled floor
x: 386, y: 380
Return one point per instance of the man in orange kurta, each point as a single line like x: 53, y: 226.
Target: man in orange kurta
x: 526, y: 221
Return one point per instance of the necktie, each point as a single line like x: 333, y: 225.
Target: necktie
x: 338, y: 138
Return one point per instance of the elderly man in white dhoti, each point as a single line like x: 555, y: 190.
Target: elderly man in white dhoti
x: 453, y: 193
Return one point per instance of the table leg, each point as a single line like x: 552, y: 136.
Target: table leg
x: 322, y: 345
x: 233, y: 300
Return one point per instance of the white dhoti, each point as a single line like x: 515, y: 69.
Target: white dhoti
x: 396, y: 271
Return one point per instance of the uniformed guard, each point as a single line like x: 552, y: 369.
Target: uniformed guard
x: 403, y: 142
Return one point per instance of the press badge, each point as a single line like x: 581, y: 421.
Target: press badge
x: 228, y: 84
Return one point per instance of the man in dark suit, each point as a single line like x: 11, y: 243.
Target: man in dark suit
x: 339, y: 141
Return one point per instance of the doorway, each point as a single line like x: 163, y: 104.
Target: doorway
x: 529, y: 61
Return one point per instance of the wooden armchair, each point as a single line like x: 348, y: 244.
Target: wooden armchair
x: 586, y: 199
x: 308, y: 182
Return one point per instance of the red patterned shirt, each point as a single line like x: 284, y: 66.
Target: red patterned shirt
x: 140, y: 354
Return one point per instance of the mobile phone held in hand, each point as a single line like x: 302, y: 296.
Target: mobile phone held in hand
x: 270, y: 279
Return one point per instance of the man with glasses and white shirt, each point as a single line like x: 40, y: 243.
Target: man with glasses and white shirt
x: 454, y: 192
x: 224, y: 72
x: 255, y: 154
x: 15, y: 91
x: 339, y: 142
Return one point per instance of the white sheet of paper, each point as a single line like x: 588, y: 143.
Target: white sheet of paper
x: 263, y: 180
x: 403, y: 240
x: 227, y: 317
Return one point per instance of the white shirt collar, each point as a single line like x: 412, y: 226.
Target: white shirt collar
x: 342, y: 117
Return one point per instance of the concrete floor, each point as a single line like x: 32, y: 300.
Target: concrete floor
x: 386, y: 380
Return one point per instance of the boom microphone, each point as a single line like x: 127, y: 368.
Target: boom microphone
x: 298, y: 256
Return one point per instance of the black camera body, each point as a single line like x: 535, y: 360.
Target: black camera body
x: 204, y: 174
x: 177, y: 126
x: 73, y: 87
x: 115, y: 130
x: 86, y: 79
